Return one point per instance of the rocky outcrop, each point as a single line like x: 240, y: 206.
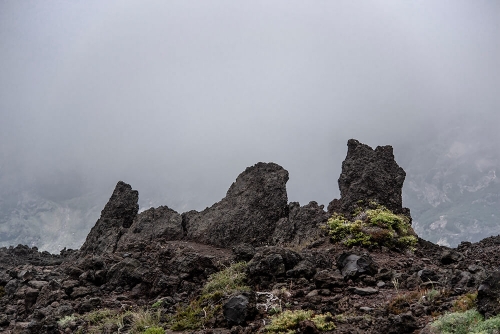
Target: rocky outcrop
x: 150, y: 226
x: 116, y: 217
x: 302, y: 226
x: 370, y: 175
x: 249, y: 212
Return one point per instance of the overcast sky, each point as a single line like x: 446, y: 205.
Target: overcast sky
x: 178, y: 97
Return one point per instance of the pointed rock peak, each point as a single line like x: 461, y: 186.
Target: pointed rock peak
x: 370, y: 175
x: 122, y: 205
x: 117, y: 216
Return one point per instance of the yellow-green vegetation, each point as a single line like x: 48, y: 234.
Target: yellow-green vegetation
x: 156, y: 304
x: 465, y: 302
x: 208, y: 304
x: 142, y: 320
x: 65, y: 321
x: 468, y: 322
x: 111, y: 321
x: 379, y: 227
x: 288, y: 321
x: 229, y: 280
x: 2, y: 291
x: 154, y: 330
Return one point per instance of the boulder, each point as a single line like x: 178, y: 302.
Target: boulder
x: 488, y: 295
x: 428, y: 275
x: 270, y: 264
x: 243, y: 252
x: 352, y: 265
x: 402, y: 323
x: 450, y: 256
x: 249, y: 212
x: 237, y: 309
x: 329, y: 279
x: 370, y: 175
x: 153, y: 224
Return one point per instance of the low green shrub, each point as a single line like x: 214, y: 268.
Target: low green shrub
x: 154, y: 330
x: 458, y: 322
x: 468, y: 322
x: 379, y: 227
x: 288, y: 321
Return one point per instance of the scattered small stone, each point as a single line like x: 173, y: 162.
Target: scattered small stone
x: 363, y: 291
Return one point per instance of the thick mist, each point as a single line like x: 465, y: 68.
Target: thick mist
x: 178, y: 98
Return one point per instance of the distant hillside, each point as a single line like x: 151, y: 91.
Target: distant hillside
x: 452, y: 187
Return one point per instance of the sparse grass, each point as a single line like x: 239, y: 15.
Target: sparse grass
x: 65, y: 321
x: 288, y: 321
x: 205, y: 307
x: 401, y: 302
x: 431, y: 295
x: 112, y: 321
x: 228, y: 280
x: 379, y: 227
x: 156, y: 304
x: 145, y: 319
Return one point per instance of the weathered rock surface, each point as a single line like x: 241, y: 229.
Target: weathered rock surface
x: 302, y: 226
x: 249, y: 212
x: 116, y: 217
x: 488, y: 295
x: 154, y: 224
x: 352, y: 265
x: 370, y: 175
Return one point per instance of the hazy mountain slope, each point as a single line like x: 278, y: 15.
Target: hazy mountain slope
x: 452, y: 187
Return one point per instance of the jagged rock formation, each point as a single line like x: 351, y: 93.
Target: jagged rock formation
x: 370, y: 175
x: 249, y: 212
x: 159, y: 256
x: 117, y: 215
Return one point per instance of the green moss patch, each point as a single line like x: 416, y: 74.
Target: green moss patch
x: 377, y: 227
x: 287, y: 322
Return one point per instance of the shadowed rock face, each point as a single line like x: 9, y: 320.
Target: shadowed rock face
x: 116, y: 217
x: 249, y: 212
x: 370, y: 175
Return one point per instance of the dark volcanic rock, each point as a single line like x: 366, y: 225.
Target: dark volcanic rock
x: 352, y: 265
x: 302, y: 225
x: 152, y: 225
x: 488, y: 295
x: 370, y: 175
x: 238, y: 308
x: 117, y: 215
x: 249, y: 212
x: 271, y: 263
